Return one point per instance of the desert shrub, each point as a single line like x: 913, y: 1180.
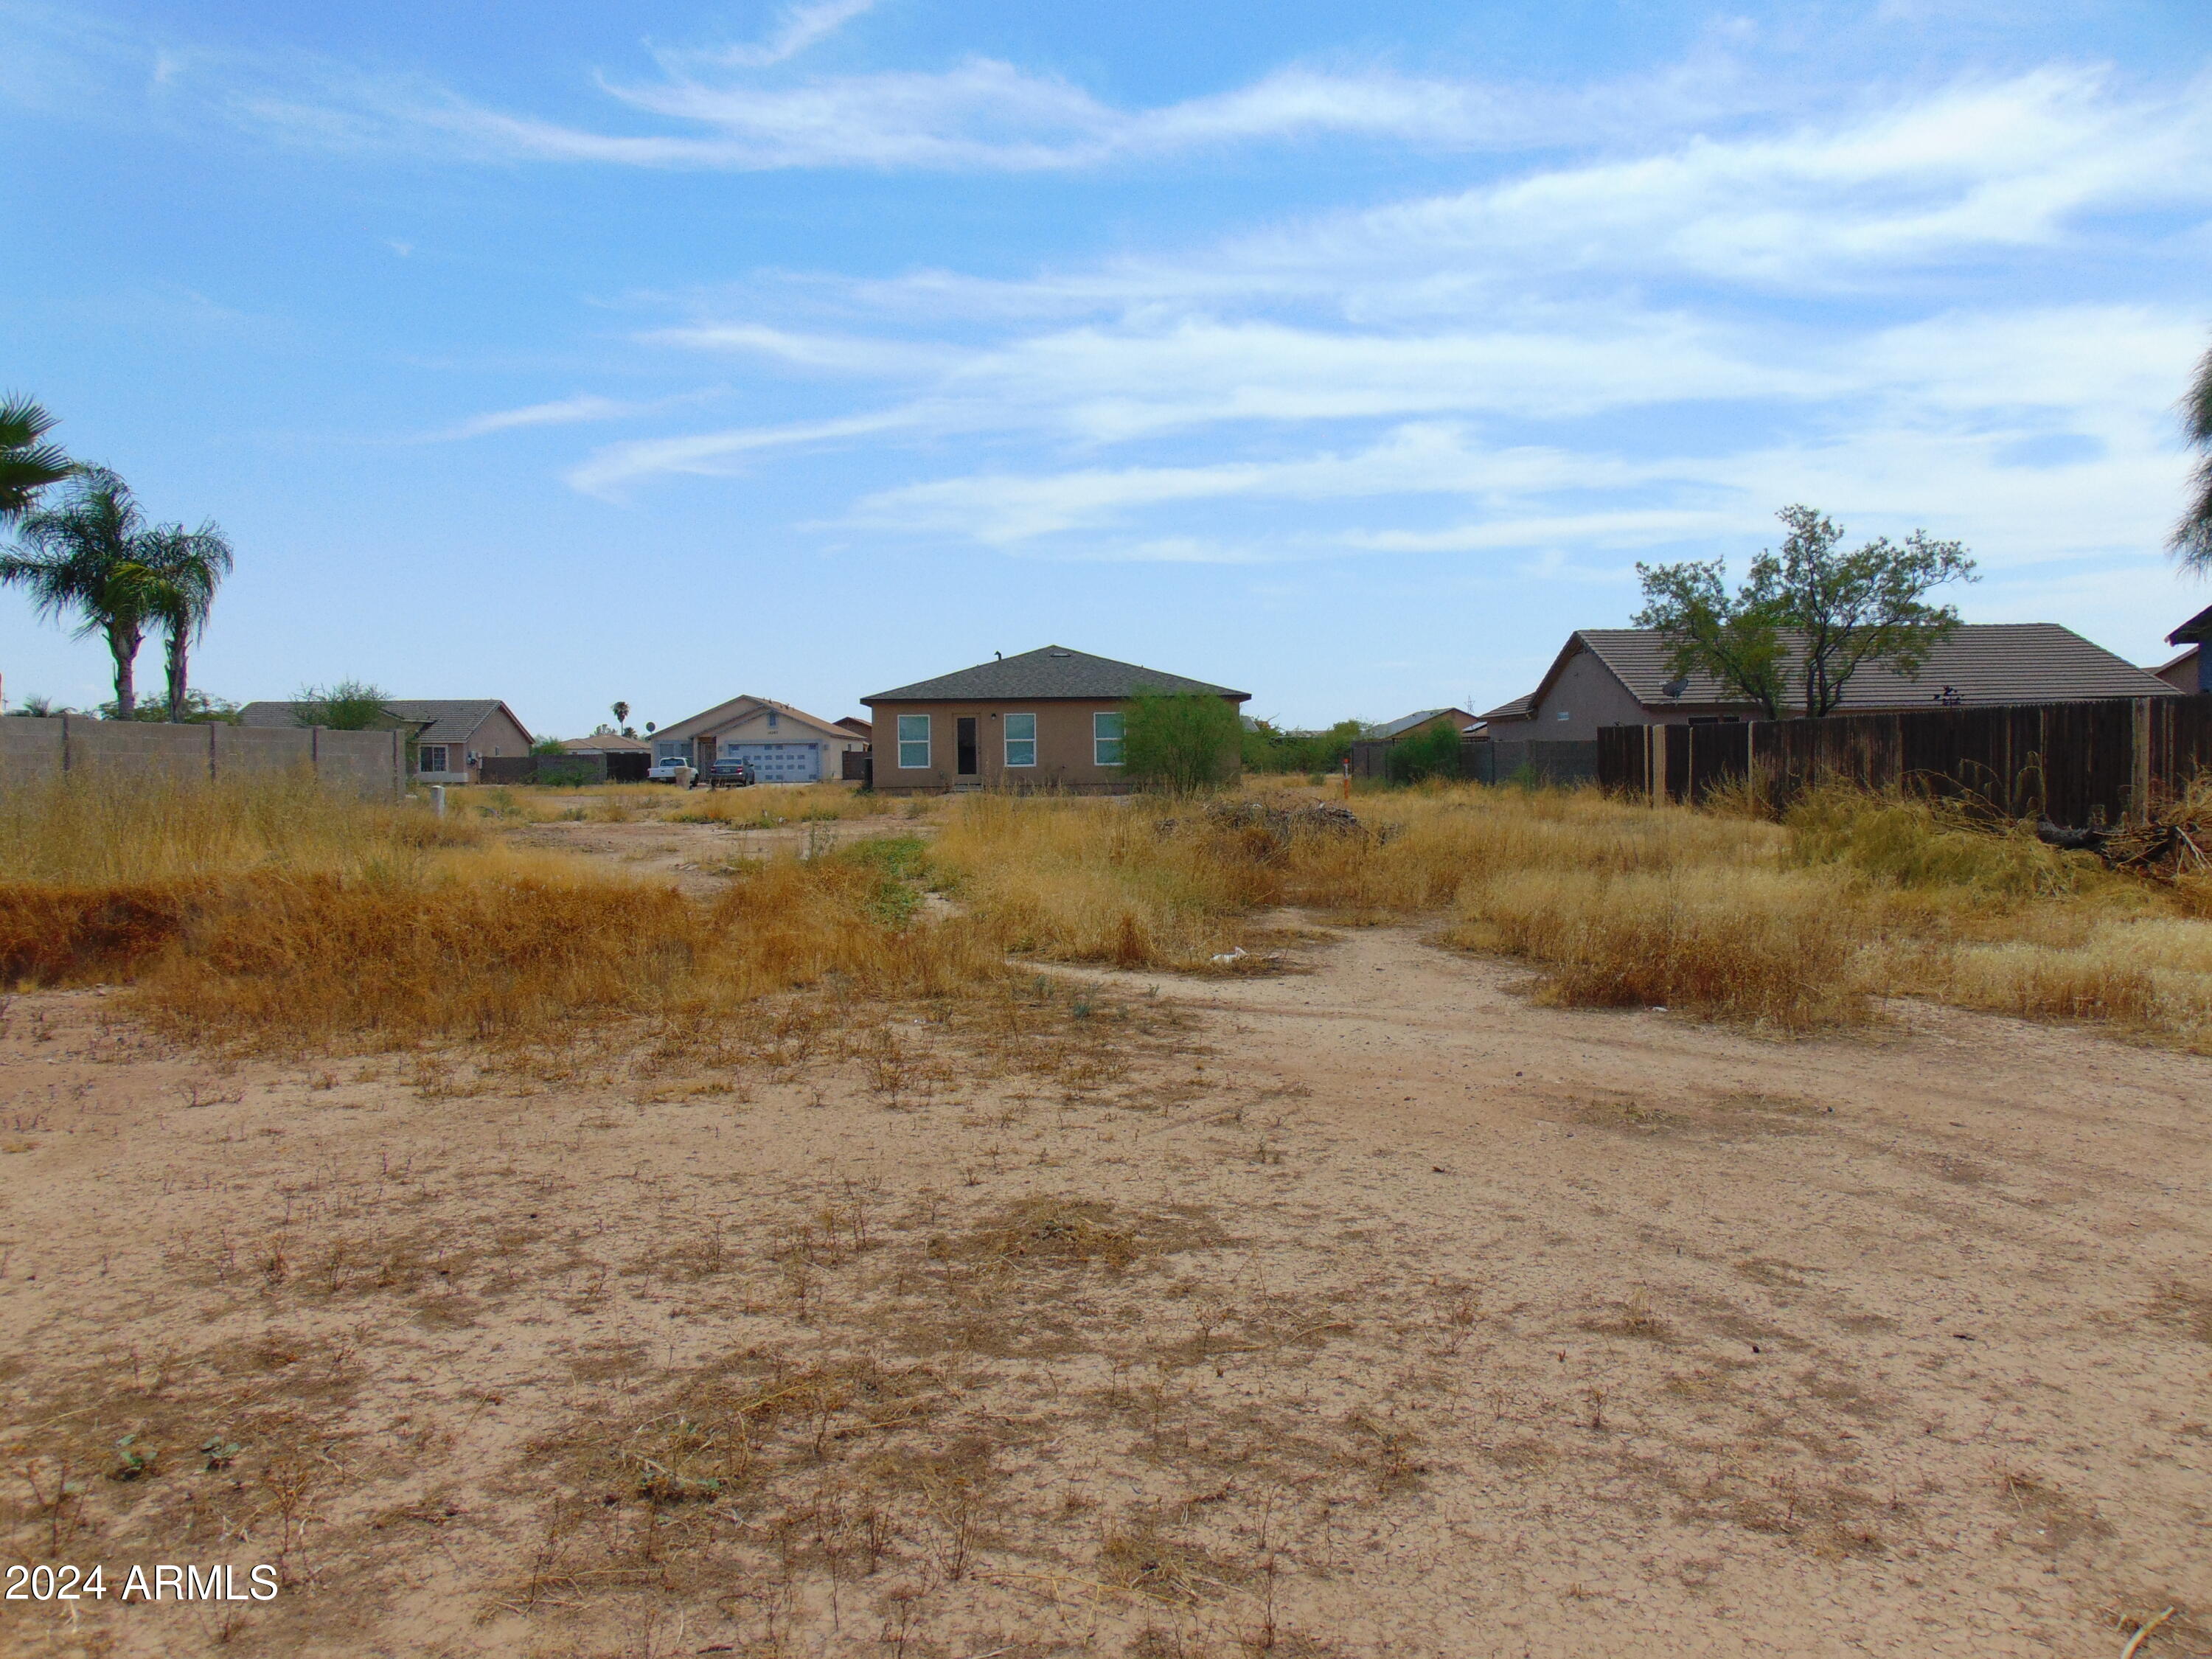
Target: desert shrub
x: 1432, y: 752
x: 1180, y: 742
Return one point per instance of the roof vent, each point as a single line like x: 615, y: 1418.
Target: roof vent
x: 1060, y: 653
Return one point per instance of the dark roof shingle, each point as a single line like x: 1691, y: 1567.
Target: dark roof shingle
x: 1043, y: 675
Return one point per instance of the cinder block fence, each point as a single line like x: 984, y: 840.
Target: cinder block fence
x: 371, y: 764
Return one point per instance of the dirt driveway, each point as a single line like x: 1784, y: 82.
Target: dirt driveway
x: 1367, y: 1311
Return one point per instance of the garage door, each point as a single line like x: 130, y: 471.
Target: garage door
x: 779, y: 762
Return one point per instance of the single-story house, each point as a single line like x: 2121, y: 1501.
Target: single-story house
x: 606, y: 743
x: 451, y: 736
x: 2191, y: 672
x: 1621, y: 677
x: 782, y: 744
x: 858, y: 727
x: 1421, y: 719
x: 1048, y: 719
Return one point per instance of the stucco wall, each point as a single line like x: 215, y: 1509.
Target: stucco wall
x: 1064, y: 747
x: 1587, y: 695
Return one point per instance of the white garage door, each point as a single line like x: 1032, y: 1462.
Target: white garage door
x: 779, y: 762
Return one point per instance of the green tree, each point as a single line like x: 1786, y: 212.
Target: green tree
x: 2192, y: 537
x: 348, y: 706
x: 86, y: 557
x: 27, y: 465
x: 1808, y: 614
x: 1430, y: 752
x: 185, y: 568
x: 1269, y: 748
x: 621, y: 712
x: 1180, y: 741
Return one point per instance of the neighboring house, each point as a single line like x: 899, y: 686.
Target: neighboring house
x: 1049, y: 719
x: 782, y: 744
x: 1406, y: 725
x: 2191, y: 672
x: 606, y: 743
x: 449, y: 736
x: 1620, y: 676
x: 858, y: 728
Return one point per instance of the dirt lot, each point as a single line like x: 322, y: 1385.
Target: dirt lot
x: 1366, y: 1310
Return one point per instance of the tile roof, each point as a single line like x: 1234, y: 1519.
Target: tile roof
x: 440, y: 720
x: 1420, y: 717
x: 1985, y: 662
x: 606, y: 743
x: 1041, y: 676
x: 1519, y: 709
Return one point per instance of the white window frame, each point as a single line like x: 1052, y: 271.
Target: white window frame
x: 673, y: 751
x: 1031, y: 741
x: 442, y: 751
x: 1100, y: 742
x: 906, y: 743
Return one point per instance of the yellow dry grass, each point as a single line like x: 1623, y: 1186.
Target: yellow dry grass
x: 265, y: 909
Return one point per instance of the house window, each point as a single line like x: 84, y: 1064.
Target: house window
x: 672, y: 754
x: 772, y: 717
x: 1106, y: 738
x: 433, y: 758
x: 1565, y: 715
x: 912, y: 742
x: 1021, y: 739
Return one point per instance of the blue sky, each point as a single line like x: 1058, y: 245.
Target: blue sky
x: 1348, y: 356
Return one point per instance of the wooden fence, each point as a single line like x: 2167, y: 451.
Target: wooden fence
x: 2075, y: 762
x: 1483, y: 760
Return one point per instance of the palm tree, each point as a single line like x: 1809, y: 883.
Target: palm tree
x: 26, y: 466
x: 621, y: 712
x: 83, y: 557
x: 184, y: 569
x: 2192, y: 537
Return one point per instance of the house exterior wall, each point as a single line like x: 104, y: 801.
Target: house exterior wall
x: 703, y: 743
x: 1064, y: 758
x: 2182, y: 672
x: 1587, y: 695
x: 498, y: 736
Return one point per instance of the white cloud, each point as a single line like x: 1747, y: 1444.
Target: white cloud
x: 566, y: 412
x: 714, y: 454
x: 800, y: 27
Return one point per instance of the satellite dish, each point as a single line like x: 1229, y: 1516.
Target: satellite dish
x: 1675, y: 688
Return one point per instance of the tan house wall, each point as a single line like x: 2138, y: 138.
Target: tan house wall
x: 1064, y: 747
x: 1588, y: 694
x: 498, y: 735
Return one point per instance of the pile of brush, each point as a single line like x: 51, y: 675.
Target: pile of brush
x: 2170, y: 846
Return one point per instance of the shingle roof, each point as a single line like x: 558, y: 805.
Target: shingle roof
x: 741, y: 707
x: 439, y: 720
x: 606, y: 743
x: 1519, y: 709
x: 1044, y: 675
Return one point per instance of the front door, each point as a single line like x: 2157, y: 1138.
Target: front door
x: 965, y: 742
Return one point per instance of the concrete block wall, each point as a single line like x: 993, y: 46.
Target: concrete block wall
x: 30, y: 749
x: 35, y: 750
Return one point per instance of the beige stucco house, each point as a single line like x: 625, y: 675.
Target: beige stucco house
x: 1049, y: 719
x: 448, y: 738
x: 782, y: 744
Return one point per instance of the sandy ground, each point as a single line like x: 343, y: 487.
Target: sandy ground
x: 1366, y: 1310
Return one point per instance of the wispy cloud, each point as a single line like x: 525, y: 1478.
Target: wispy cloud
x: 799, y: 27
x: 566, y: 412
x: 716, y: 454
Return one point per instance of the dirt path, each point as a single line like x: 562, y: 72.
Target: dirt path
x: 1369, y: 1311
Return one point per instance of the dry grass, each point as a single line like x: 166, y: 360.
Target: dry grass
x: 265, y: 909
x: 1793, y: 926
